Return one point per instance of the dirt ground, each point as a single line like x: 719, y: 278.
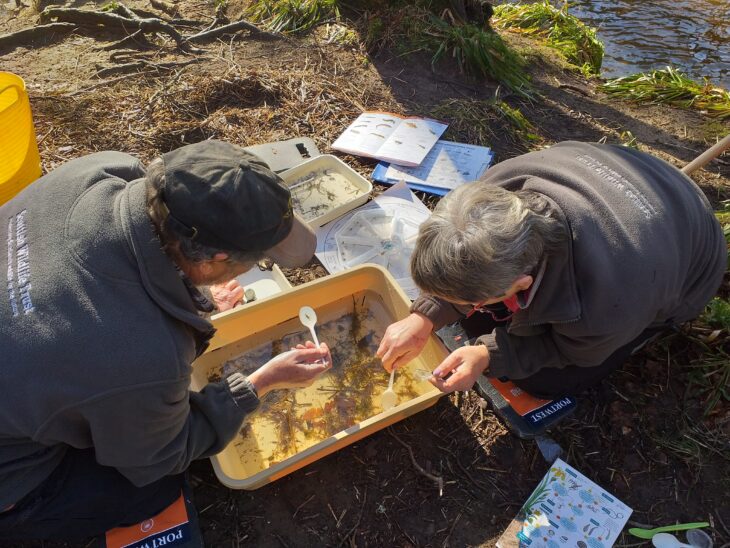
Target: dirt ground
x: 641, y: 435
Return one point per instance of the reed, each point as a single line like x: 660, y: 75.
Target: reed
x: 670, y: 86
x: 289, y: 16
x: 477, y: 51
x: 576, y: 41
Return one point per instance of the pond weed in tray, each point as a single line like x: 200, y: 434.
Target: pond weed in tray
x: 292, y: 428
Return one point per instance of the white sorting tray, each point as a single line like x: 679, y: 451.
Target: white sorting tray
x: 325, y: 188
x: 265, y: 283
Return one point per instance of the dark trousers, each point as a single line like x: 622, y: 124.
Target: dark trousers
x: 550, y: 382
x: 83, y: 499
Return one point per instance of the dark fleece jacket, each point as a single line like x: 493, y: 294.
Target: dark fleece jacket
x: 645, y: 250
x: 97, y: 334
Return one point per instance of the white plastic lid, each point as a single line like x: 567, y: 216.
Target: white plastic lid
x: 380, y: 237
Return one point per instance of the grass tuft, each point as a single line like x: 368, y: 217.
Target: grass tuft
x: 477, y: 51
x: 575, y: 40
x: 670, y: 86
x: 289, y: 16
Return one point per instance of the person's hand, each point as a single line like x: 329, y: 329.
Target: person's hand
x: 227, y: 295
x: 297, y: 368
x: 461, y: 369
x: 404, y: 340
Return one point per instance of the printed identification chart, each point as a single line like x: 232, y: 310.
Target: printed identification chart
x: 567, y: 509
x: 382, y: 232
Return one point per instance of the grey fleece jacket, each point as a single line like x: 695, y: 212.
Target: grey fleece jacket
x: 645, y: 250
x: 97, y: 334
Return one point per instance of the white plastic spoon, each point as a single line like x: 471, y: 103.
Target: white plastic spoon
x: 665, y: 540
x: 699, y: 539
x: 309, y: 319
x: 389, y: 398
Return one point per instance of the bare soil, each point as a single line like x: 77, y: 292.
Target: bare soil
x: 641, y: 435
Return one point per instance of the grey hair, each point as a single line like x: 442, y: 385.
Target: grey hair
x: 190, y: 250
x: 480, y: 239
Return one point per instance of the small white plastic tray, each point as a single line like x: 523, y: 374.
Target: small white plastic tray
x: 325, y: 188
x: 265, y: 283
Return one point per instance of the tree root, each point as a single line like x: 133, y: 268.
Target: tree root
x: 136, y: 37
x: 85, y: 17
x: 24, y: 36
x: 166, y: 7
x: 229, y: 29
x: 128, y: 20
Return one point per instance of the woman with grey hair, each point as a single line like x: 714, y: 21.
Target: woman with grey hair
x: 564, y: 261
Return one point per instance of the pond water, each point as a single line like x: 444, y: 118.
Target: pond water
x: 290, y: 421
x: 641, y: 35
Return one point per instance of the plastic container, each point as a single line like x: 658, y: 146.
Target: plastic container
x: 264, y: 283
x: 283, y: 155
x: 247, y: 328
x: 324, y: 188
x: 20, y: 163
x: 379, y: 237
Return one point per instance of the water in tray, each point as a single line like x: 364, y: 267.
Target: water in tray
x: 290, y: 421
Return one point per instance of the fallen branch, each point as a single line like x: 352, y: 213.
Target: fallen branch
x: 229, y: 29
x: 28, y: 35
x: 437, y: 479
x: 85, y: 17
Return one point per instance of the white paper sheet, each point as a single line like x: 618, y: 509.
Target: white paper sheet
x: 447, y: 165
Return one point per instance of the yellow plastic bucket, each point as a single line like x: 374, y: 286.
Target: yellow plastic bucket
x: 20, y: 163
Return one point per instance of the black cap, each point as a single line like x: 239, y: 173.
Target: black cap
x: 224, y: 197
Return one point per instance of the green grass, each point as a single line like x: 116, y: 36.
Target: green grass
x: 478, y: 52
x: 576, y: 41
x: 289, y: 16
x: 670, y: 86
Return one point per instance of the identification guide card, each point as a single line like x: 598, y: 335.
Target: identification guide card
x: 390, y: 137
x: 445, y: 167
x: 567, y: 509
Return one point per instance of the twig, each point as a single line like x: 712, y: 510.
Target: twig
x: 281, y: 540
x: 124, y: 41
x: 727, y: 531
x: 301, y: 506
x: 228, y: 29
x: 451, y: 530
x: 359, y: 517
x: 437, y: 479
x: 27, y: 35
